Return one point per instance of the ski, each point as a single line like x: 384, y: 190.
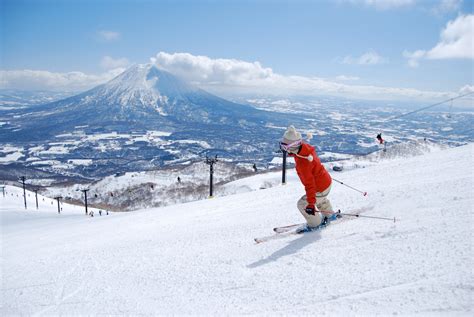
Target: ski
x: 299, y: 228
x: 281, y: 235
x: 283, y: 229
x: 293, y: 230
x: 287, y: 228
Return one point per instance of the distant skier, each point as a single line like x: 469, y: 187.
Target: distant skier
x: 313, y: 175
x: 254, y: 167
x: 179, y: 179
x: 100, y: 212
x: 382, y: 141
x: 379, y: 137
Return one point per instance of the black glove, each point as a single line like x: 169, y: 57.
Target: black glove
x: 310, y: 210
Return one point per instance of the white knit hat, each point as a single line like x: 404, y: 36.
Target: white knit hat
x: 291, y: 135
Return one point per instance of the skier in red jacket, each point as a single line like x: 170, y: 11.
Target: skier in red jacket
x: 314, y: 206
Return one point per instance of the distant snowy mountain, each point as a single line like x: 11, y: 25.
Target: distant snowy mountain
x: 200, y: 258
x: 143, y: 118
x: 142, y: 97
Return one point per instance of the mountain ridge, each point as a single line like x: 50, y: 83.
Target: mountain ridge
x: 143, y: 91
x: 142, y: 118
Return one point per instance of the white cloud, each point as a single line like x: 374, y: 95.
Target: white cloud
x: 45, y: 80
x: 347, y: 78
x: 369, y: 58
x: 466, y: 89
x: 221, y: 76
x: 413, y: 57
x: 204, y: 69
x: 455, y: 42
x: 108, y: 62
x: 447, y: 6
x: 383, y: 4
x: 231, y: 76
x: 109, y: 35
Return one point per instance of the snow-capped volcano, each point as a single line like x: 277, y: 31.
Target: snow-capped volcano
x: 146, y: 92
x: 143, y: 86
x: 143, y: 97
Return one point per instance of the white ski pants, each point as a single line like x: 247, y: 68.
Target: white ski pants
x: 322, y: 203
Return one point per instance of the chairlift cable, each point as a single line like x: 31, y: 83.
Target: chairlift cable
x: 427, y: 107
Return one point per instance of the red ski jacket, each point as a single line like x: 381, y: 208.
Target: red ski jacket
x: 312, y: 174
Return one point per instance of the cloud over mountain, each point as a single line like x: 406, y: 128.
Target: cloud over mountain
x: 219, y: 76
x: 237, y: 76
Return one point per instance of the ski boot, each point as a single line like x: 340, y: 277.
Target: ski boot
x: 306, y: 228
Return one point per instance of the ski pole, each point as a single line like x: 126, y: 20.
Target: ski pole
x: 363, y: 193
x: 357, y: 215
x: 373, y: 217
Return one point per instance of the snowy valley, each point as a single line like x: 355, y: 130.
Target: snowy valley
x: 147, y: 119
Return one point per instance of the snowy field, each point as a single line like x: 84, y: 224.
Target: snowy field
x: 200, y: 257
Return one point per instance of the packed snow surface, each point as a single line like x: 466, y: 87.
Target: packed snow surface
x: 200, y: 257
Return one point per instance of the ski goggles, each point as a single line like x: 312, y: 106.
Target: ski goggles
x: 291, y: 146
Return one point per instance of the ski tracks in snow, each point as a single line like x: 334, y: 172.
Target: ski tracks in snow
x: 68, y: 284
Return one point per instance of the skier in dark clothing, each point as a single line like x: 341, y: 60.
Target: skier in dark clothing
x: 379, y: 137
x: 382, y: 141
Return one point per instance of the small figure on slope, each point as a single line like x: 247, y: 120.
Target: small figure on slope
x: 382, y: 141
x: 314, y: 177
x: 379, y: 137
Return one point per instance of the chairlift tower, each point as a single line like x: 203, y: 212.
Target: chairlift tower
x: 36, y: 196
x: 211, y: 162
x: 283, y: 168
x: 23, y: 179
x: 85, y: 198
x: 59, y: 207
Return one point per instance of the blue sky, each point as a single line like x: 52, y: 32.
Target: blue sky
x: 353, y: 43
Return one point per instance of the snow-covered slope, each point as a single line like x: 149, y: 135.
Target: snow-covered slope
x: 200, y: 258
x: 156, y: 188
